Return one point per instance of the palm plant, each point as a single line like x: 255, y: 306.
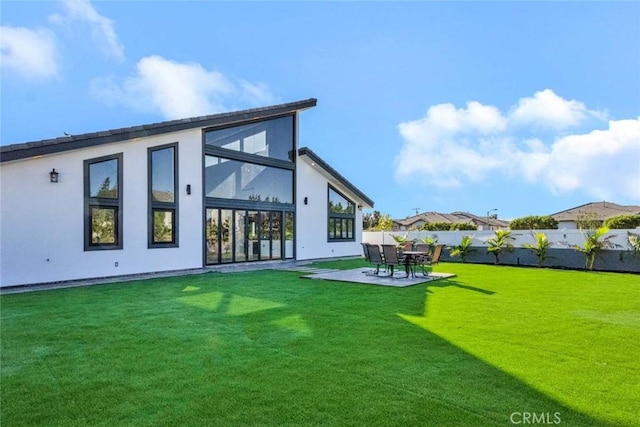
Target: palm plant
x: 634, y: 242
x: 463, y: 249
x: 431, y: 241
x: 540, y: 247
x: 499, y: 243
x: 401, y: 240
x: 593, y: 245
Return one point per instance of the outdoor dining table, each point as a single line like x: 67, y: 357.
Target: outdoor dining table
x: 410, y: 257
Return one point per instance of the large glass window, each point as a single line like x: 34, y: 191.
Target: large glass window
x: 233, y: 179
x: 270, y: 138
x: 237, y: 235
x: 163, y: 205
x: 103, y: 203
x: 341, y: 217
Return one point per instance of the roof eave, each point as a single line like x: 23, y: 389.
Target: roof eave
x: 51, y: 146
x: 304, y: 151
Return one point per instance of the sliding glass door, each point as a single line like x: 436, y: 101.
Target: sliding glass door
x: 239, y: 235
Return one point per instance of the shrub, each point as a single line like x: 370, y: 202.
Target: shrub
x: 546, y: 222
x: 447, y: 226
x: 623, y: 221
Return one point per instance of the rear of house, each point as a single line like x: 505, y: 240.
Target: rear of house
x: 225, y: 188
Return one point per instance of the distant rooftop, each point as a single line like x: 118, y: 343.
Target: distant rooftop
x: 603, y: 210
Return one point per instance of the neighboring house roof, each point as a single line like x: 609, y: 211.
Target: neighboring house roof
x: 306, y: 153
x: 452, y: 218
x: 73, y: 142
x: 603, y: 210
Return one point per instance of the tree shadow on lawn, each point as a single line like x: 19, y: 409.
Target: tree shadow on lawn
x: 269, y: 349
x: 376, y: 368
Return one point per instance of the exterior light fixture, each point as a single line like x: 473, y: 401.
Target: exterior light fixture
x: 53, y: 175
x: 306, y: 200
x: 188, y: 188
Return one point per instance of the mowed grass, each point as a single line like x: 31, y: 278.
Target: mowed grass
x: 270, y: 348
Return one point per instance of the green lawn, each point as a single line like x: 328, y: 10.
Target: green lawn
x: 269, y: 348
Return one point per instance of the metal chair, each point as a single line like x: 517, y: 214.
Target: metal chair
x: 391, y: 258
x: 375, y: 257
x: 429, y: 260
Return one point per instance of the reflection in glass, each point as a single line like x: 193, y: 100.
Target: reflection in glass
x: 338, y: 204
x: 232, y: 179
x: 226, y: 237
x: 163, y: 226
x: 276, y: 232
x: 288, y: 235
x: 163, y: 175
x: 265, y: 236
x: 211, y: 236
x: 103, y: 225
x: 253, y: 226
x: 239, y: 237
x: 103, y: 179
x: 270, y: 138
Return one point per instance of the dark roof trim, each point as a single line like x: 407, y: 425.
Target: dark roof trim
x: 74, y: 142
x: 304, y: 151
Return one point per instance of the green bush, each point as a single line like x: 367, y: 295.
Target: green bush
x: 623, y: 221
x: 447, y: 226
x: 545, y: 222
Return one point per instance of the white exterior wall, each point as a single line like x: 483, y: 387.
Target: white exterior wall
x: 312, y: 219
x: 42, y: 223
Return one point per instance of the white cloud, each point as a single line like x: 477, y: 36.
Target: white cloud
x: 31, y: 53
x: 102, y: 29
x: 179, y: 90
x: 449, y: 147
x: 548, y: 110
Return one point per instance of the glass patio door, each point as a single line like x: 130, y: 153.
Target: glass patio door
x: 238, y: 235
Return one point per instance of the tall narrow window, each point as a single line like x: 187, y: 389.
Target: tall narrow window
x: 103, y: 203
x: 342, y: 215
x: 163, y: 200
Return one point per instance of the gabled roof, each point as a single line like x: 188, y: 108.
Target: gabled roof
x: 73, y: 142
x: 306, y: 153
x: 603, y: 210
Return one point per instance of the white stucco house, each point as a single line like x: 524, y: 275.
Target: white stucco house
x: 225, y: 188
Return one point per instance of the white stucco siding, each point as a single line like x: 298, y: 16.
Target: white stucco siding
x: 42, y: 223
x: 312, y: 218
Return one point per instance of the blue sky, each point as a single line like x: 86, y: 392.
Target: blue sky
x: 528, y: 108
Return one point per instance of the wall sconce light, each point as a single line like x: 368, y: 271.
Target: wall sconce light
x: 359, y: 207
x: 188, y: 188
x: 53, y: 175
x: 306, y: 200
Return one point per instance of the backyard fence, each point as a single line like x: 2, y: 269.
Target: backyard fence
x: 561, y: 253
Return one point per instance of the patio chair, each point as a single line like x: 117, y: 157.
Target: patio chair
x: 391, y: 258
x: 423, y: 247
x: 429, y: 260
x: 365, y: 251
x: 375, y: 257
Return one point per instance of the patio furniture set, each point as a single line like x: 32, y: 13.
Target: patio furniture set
x: 408, y: 255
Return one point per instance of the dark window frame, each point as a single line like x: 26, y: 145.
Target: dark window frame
x: 251, y: 205
x: 158, y: 206
x: 103, y: 203
x: 346, y: 221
